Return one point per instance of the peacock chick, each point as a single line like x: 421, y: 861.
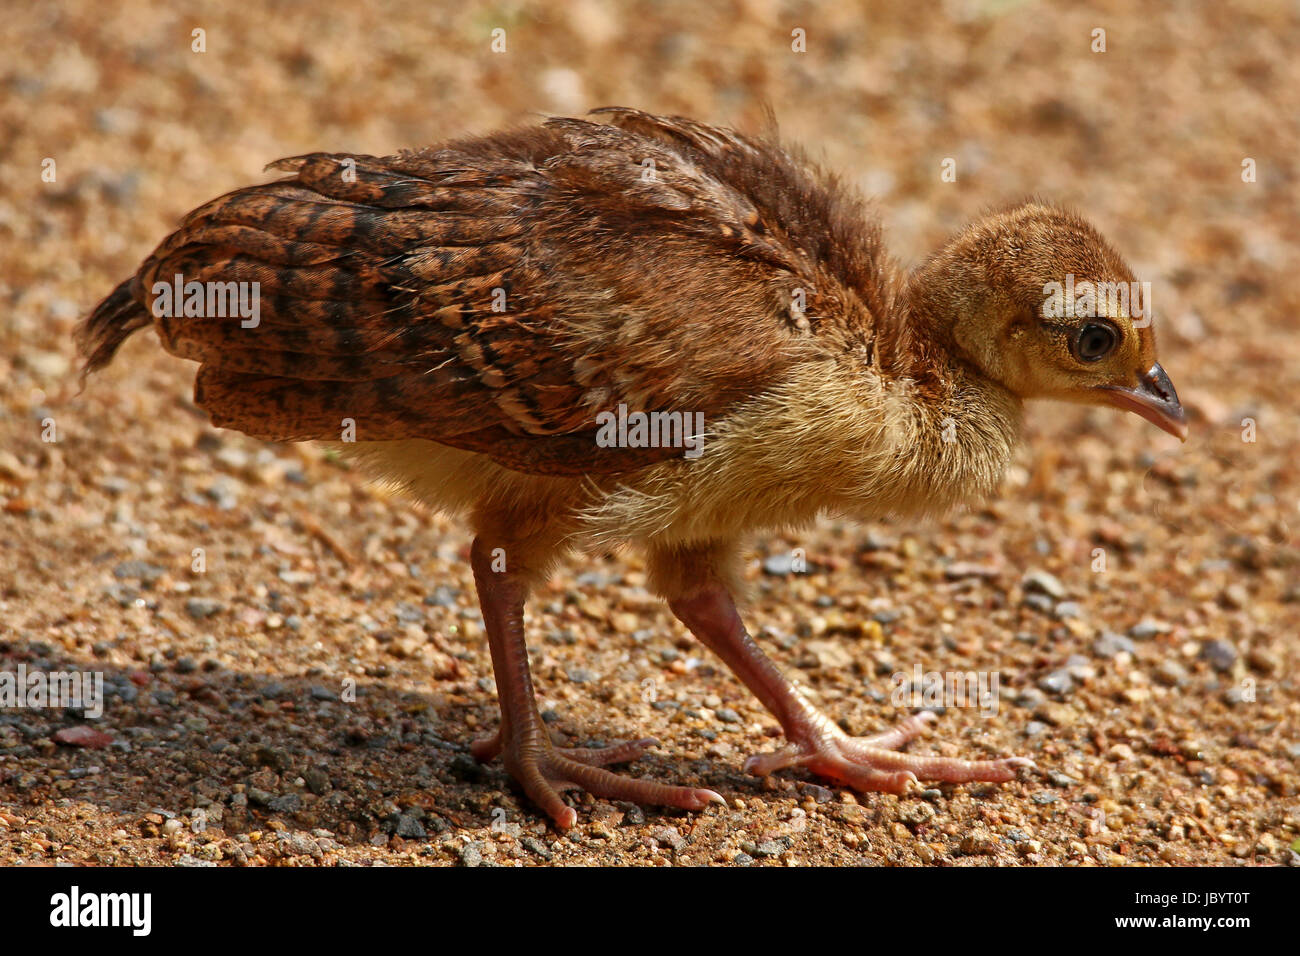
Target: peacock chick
x: 645, y: 331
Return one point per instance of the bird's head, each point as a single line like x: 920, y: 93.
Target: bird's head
x: 1038, y: 301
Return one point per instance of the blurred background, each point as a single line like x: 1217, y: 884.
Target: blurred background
x: 1174, y: 130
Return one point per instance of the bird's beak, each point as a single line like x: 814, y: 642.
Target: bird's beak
x: 1154, y: 399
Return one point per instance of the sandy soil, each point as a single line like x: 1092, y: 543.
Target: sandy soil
x: 1158, y: 696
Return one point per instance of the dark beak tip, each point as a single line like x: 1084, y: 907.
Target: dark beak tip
x: 1156, y: 382
x: 1155, y: 399
x: 1164, y: 397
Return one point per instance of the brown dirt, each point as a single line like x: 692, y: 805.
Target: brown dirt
x: 1176, y: 751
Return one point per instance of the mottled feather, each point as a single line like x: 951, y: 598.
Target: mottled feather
x: 496, y: 294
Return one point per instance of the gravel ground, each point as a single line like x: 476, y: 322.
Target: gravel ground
x: 1157, y: 696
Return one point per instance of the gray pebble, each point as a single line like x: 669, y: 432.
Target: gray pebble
x: 536, y: 847
x: 298, y: 844
x: 124, y: 595
x: 633, y: 815
x: 1148, y: 628
x: 140, y: 570
x: 779, y: 564
x: 1043, y: 583
x: 1066, y: 610
x: 915, y: 814
x: 200, y: 608
x: 1080, y: 668
x: 1109, y: 644
x: 1171, y: 673
x: 1029, y: 698
x: 1058, y: 682
x: 819, y: 793
x: 288, y: 803
x: 1220, y: 654
x: 442, y: 596
x: 1040, y: 602
x: 470, y: 854
x: 669, y: 837
x: 317, y: 780
x: 408, y: 613
x: 409, y: 828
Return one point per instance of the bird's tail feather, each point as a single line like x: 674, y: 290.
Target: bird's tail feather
x: 101, y: 333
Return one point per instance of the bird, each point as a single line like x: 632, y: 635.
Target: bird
x: 641, y: 331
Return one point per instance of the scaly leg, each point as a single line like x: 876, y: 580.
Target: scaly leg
x: 542, y: 769
x: 863, y: 763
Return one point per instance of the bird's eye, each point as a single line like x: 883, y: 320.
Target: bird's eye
x: 1094, y: 342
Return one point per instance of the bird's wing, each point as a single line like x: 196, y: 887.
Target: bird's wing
x: 495, y: 295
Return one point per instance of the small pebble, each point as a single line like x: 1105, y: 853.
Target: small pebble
x: 1109, y: 644
x: 1220, y: 654
x: 202, y: 608
x: 1040, y: 602
x: 1171, y: 673
x: 1044, y: 583
x: 1058, y: 682
x: 779, y: 564
x: 470, y: 854
x: 1067, y: 610
x: 1148, y: 628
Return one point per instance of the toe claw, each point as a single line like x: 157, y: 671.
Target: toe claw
x: 565, y: 819
x: 874, y: 764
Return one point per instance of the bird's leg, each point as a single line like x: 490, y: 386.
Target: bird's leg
x: 542, y: 769
x: 863, y: 763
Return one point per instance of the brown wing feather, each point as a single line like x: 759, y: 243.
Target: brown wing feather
x: 642, y: 262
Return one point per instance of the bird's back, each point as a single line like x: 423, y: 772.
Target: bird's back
x: 497, y: 293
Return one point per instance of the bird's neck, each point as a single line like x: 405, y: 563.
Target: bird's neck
x: 967, y: 425
x: 918, y: 341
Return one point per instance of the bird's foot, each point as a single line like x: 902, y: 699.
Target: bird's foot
x: 544, y: 771
x: 871, y: 763
x: 486, y: 748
